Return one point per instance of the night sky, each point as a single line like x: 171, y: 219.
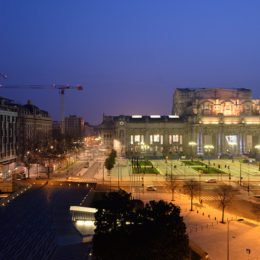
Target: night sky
x: 128, y: 55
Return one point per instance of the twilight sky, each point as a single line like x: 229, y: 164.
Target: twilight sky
x: 129, y: 55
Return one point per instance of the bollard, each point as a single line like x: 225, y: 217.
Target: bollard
x: 202, y: 213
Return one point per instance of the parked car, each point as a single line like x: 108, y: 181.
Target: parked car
x: 151, y: 188
x: 211, y: 181
x: 86, y: 165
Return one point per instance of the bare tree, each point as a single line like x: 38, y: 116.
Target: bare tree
x: 171, y: 182
x: 225, y: 195
x: 191, y: 186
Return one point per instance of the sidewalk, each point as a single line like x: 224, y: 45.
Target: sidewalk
x: 204, y: 228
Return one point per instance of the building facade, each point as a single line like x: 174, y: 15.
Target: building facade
x: 21, y: 126
x: 74, y: 125
x: 8, y: 132
x: 203, y: 122
x: 34, y: 127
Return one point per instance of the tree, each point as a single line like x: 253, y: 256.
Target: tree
x: 191, y: 186
x: 109, y: 164
x: 50, y: 154
x: 127, y: 230
x: 171, y: 182
x: 29, y: 159
x: 110, y: 161
x: 225, y: 195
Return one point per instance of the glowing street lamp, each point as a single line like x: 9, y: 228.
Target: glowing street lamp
x: 208, y: 149
x: 192, y: 145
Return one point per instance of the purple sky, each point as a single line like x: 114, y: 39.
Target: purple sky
x: 129, y: 55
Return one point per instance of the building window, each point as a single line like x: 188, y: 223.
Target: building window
x: 132, y: 139
x: 175, y: 138
x: 137, y: 138
x: 170, y: 139
x: 156, y: 138
x: 151, y: 139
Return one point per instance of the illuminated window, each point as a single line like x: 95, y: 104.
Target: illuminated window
x: 142, y: 139
x: 137, y: 138
x: 151, y: 139
x: 156, y: 138
x: 231, y: 139
x: 180, y: 139
x: 132, y: 139
x: 170, y: 139
x: 175, y: 138
x: 161, y: 139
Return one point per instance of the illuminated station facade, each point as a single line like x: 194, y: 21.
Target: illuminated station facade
x: 203, y: 121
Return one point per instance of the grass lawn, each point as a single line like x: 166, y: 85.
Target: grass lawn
x: 144, y: 167
x: 69, y: 165
x: 210, y: 170
x: 193, y: 163
x: 145, y: 170
x: 143, y: 163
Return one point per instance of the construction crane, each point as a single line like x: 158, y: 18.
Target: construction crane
x: 3, y: 75
x: 61, y: 89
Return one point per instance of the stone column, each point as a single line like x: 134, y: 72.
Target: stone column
x: 240, y: 143
x: 147, y: 138
x: 219, y: 143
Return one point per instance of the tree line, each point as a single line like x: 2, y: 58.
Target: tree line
x: 110, y: 161
x: 39, y: 149
x: 128, y: 229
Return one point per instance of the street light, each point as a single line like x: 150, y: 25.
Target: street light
x: 257, y: 147
x: 192, y: 145
x: 208, y: 149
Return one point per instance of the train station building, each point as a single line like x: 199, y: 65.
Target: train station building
x: 205, y: 121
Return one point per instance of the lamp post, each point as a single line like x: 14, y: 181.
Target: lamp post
x: 208, y: 149
x: 192, y: 145
x: 240, y: 177
x: 257, y: 147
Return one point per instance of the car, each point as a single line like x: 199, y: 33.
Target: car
x: 211, y: 181
x: 151, y: 188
